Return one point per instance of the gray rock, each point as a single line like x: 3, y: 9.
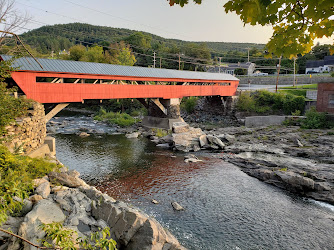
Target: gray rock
x: 46, y: 211
x: 215, y: 141
x: 84, y: 134
x: 227, y: 138
x: 295, y: 181
x: 180, y: 127
x: 132, y: 135
x: 185, y: 141
x: 203, y: 141
x: 177, y: 206
x: 13, y: 224
x: 166, y: 139
x: 39, y: 181
x: 35, y: 198
x: 43, y: 189
x: 26, y: 208
x: 165, y: 145
x: 192, y: 160
x: 69, y: 179
x: 131, y: 228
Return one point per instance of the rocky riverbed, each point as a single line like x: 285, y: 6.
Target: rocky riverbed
x: 288, y: 157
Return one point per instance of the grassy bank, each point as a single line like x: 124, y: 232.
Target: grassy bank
x: 265, y: 102
x: 120, y: 119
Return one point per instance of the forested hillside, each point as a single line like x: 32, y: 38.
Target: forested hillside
x: 193, y: 55
x: 63, y: 36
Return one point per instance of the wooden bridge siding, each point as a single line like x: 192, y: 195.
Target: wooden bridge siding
x: 70, y: 92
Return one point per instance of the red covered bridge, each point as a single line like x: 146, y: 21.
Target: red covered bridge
x: 61, y: 81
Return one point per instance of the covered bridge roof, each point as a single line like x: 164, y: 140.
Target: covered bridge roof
x: 65, y: 66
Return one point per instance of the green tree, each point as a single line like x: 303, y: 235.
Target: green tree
x: 296, y: 23
x: 320, y: 51
x: 77, y: 52
x: 120, y: 53
x: 141, y: 43
x: 94, y: 54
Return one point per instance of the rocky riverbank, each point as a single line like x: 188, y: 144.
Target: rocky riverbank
x: 84, y: 209
x: 298, y: 160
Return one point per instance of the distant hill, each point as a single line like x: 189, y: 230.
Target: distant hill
x: 63, y: 36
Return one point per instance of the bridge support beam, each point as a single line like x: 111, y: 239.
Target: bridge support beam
x: 162, y: 113
x: 55, y: 110
x: 159, y: 105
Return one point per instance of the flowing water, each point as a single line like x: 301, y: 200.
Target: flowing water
x: 224, y: 208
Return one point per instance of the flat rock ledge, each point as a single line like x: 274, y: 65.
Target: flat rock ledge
x: 300, y: 161
x: 64, y: 197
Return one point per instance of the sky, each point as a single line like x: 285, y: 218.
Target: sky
x: 205, y: 22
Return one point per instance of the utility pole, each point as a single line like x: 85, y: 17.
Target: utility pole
x: 220, y: 62
x: 248, y: 53
x: 160, y: 62
x: 154, y: 59
x: 294, y: 71
x: 179, y: 61
x: 278, y: 69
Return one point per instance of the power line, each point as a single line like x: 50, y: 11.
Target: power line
x: 121, y: 18
x: 180, y: 44
x: 142, y: 54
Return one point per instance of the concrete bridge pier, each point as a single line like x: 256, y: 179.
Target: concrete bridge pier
x: 162, y: 113
x: 229, y: 103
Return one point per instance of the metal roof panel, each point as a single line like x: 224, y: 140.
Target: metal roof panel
x: 60, y: 66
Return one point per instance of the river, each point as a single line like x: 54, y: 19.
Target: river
x: 224, y: 207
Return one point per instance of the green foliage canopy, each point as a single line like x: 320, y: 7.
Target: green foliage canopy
x: 296, y: 23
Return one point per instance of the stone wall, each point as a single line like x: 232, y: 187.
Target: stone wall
x: 285, y: 79
x: 27, y: 133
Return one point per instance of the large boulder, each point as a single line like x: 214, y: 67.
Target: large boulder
x: 295, y: 181
x: 131, y: 228
x: 132, y: 135
x: 46, y: 211
x: 69, y: 179
x: 215, y: 141
x: 180, y: 127
x: 187, y: 141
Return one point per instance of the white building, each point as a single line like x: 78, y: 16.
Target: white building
x: 229, y: 68
x: 320, y: 66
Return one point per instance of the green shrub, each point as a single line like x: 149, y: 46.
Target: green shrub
x: 10, y: 107
x: 16, y: 175
x: 120, y: 119
x: 293, y: 103
x: 263, y: 101
x: 332, y: 74
x: 63, y: 238
x: 159, y: 132
x: 189, y: 104
x: 245, y: 102
x: 315, y: 120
